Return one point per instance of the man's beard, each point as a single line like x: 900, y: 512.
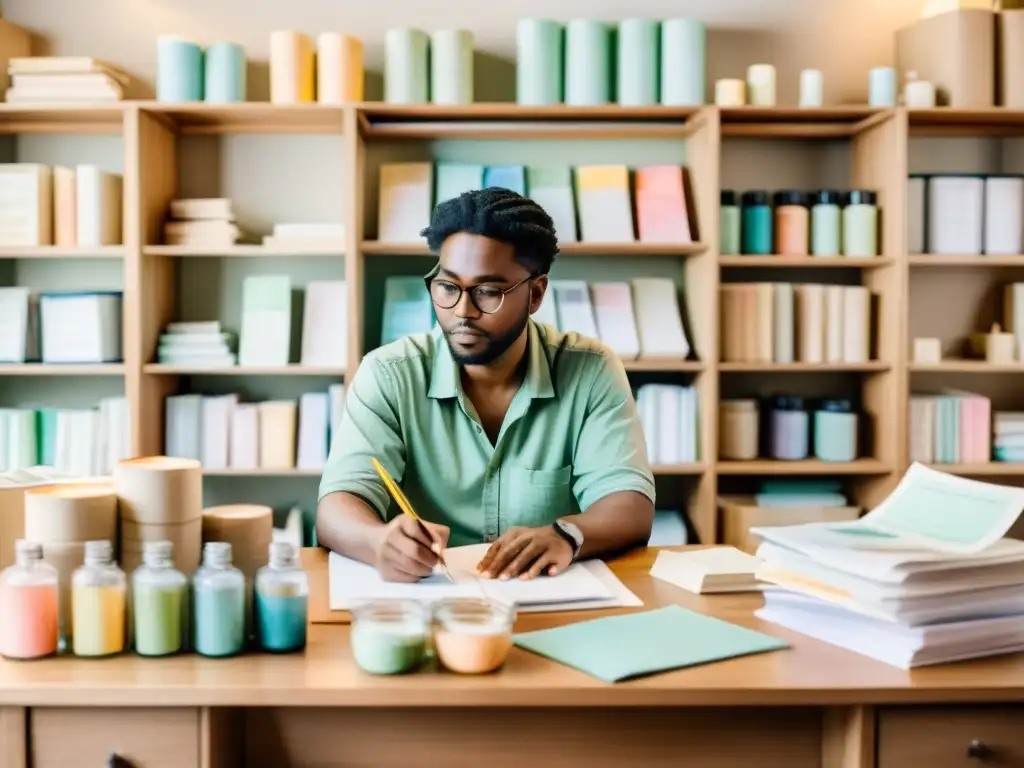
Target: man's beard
x: 495, y: 346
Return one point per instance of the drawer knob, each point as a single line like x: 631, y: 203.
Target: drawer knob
x: 978, y: 750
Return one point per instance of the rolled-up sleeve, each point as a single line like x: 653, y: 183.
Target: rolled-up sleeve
x: 369, y: 428
x: 610, y: 454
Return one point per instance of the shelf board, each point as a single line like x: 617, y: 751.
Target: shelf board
x: 242, y: 250
x: 964, y: 260
x: 806, y: 262
x: 159, y: 369
x: 965, y: 366
x: 104, y: 117
x: 871, y: 366
x: 949, y: 121
x: 799, y: 123
x: 655, y: 365
x: 259, y: 117
x: 59, y: 369
x: 696, y: 468
x: 808, y: 467
x: 290, y: 472
x: 61, y: 252
x: 382, y: 248
x: 992, y: 468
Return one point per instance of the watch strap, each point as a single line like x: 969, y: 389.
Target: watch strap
x: 576, y: 546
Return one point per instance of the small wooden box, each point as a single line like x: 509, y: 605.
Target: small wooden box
x: 741, y: 513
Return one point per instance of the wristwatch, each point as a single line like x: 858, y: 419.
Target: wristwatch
x: 570, y: 533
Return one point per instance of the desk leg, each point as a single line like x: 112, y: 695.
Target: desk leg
x: 221, y: 738
x: 13, y: 737
x: 848, y: 737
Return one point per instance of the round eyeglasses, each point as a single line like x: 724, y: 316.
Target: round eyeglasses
x: 486, y: 298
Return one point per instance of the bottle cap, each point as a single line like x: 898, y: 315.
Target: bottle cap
x: 755, y: 197
x: 826, y: 197
x: 790, y: 197
x: 729, y: 197
x: 861, y: 197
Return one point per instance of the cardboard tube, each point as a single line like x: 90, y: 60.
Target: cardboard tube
x: 70, y: 513
x: 292, y: 67
x: 339, y: 76
x: 159, y: 490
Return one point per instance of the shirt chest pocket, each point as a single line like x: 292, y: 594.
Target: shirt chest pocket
x: 538, y: 496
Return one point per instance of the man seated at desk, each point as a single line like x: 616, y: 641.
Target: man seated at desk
x: 498, y: 429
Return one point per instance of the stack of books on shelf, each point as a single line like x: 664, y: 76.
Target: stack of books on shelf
x: 950, y: 428
x: 669, y: 414
x: 786, y: 322
x: 201, y: 344
x: 225, y: 433
x: 598, y: 196
x: 60, y: 328
x: 201, y: 223
x: 300, y: 236
x: 44, y: 205
x: 77, y: 441
x: 641, y: 319
x: 927, y: 577
x: 54, y: 79
x: 1008, y: 441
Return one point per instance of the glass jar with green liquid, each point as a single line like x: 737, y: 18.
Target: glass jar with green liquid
x: 159, y: 602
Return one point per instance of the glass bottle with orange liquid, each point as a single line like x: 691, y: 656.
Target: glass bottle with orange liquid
x: 28, y: 605
x: 98, y: 603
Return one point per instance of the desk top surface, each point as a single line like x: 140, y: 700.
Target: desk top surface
x: 809, y: 673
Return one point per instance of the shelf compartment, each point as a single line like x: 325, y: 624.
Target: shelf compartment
x: 159, y: 369
x: 807, y: 467
x: 806, y: 262
x: 965, y: 260
x: 61, y: 369
x: 242, y: 251
x: 249, y: 117
x: 872, y: 366
x: 382, y: 248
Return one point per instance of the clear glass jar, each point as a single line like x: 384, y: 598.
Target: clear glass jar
x: 389, y: 637
x: 472, y: 635
x: 159, y: 602
x: 28, y: 605
x: 282, y: 593
x: 98, y: 593
x: 218, y: 599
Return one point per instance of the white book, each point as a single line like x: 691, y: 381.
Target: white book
x: 710, y: 570
x: 99, y: 201
x: 668, y: 404
x: 547, y: 312
x: 26, y: 204
x: 245, y: 436
x: 647, y: 409
x: 312, y: 443
x: 659, y: 319
x: 688, y: 414
x: 335, y: 410
x: 616, y: 323
x: 183, y: 417
x: 572, y: 300
x: 551, y: 189
x: 325, y: 324
x: 216, y: 430
x: 80, y: 327
x: 406, y: 197
x: 266, y: 321
x: 22, y: 445
x: 18, y: 337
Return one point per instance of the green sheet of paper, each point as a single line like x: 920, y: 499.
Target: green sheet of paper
x: 622, y: 647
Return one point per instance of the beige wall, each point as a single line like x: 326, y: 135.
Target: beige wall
x: 844, y: 38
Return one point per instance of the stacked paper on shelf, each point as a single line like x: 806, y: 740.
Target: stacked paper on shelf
x: 300, y: 236
x: 927, y: 577
x: 196, y: 345
x: 64, y: 78
x: 201, y: 222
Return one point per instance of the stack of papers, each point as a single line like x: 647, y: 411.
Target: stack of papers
x: 584, y: 585
x: 925, y: 578
x: 705, y: 571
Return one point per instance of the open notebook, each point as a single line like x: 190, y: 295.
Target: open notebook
x: 584, y: 585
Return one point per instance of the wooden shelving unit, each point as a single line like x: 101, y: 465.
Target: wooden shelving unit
x: 870, y: 147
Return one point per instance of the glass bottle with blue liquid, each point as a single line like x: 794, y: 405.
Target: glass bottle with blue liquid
x: 282, y: 594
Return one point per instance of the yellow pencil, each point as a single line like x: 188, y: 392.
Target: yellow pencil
x: 406, y: 507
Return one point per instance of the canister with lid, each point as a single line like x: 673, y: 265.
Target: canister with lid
x: 790, y: 428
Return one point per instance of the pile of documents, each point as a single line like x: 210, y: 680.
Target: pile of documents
x: 37, y: 79
x: 927, y: 577
x: 202, y: 222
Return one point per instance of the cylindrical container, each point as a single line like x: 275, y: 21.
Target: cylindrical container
x: 792, y: 223
x: 738, y: 435
x: 730, y: 92
x: 955, y: 215
x: 282, y: 593
x: 812, y: 88
x: 451, y: 66
x: 28, y: 605
x: 292, y: 68
x: 225, y: 73
x: 729, y: 224
x: 98, y: 604
x: 916, y: 213
x: 218, y: 600
x: 1011, y: 57
x: 340, y: 75
x: 683, y: 56
x: 637, y: 69
x: 756, y: 227
x: 789, y: 429
x: 761, y: 85
x: 159, y: 602
x: 159, y: 490
x: 539, y: 62
x: 826, y: 223
x: 860, y: 223
x: 472, y: 636
x: 389, y: 637
x: 406, y: 66
x: 835, y: 431
x: 918, y: 94
x: 1004, y: 206
x: 179, y: 69
x: 70, y: 512
x: 882, y: 87
x: 588, y: 63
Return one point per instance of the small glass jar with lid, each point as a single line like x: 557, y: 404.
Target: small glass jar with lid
x: 860, y: 223
x: 159, y: 602
x: 219, y: 600
x: 826, y: 223
x: 792, y: 223
x: 98, y: 603
x: 390, y: 637
x: 29, y: 626
x: 282, y: 593
x: 473, y: 635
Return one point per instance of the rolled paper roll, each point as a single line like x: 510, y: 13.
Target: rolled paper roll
x: 291, y: 67
x: 249, y: 528
x: 225, y: 73
x: 451, y: 66
x: 406, y: 66
x: 638, y: 64
x: 159, y: 490
x: 179, y: 69
x: 340, y: 75
x: 588, y: 63
x: 730, y: 92
x: 761, y: 85
x: 539, y: 62
x: 69, y: 513
x: 811, y: 88
x: 683, y: 57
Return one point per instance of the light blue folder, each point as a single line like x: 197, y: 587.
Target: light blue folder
x: 508, y: 176
x: 636, y: 644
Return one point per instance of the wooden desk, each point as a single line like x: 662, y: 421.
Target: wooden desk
x: 811, y: 705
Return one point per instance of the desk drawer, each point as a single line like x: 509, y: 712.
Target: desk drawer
x: 951, y: 737
x: 85, y: 738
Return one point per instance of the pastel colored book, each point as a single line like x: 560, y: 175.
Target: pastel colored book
x: 575, y: 313
x: 661, y: 210
x: 406, y: 201
x: 550, y: 186
x: 407, y: 308
x: 613, y: 313
x: 604, y: 204
x: 511, y: 177
x: 453, y: 179
x: 659, y: 318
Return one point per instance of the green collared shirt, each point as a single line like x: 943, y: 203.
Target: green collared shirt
x: 571, y: 436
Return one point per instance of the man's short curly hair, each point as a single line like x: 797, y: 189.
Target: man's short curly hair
x: 499, y: 214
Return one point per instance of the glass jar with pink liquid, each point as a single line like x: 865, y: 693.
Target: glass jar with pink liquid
x: 28, y: 605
